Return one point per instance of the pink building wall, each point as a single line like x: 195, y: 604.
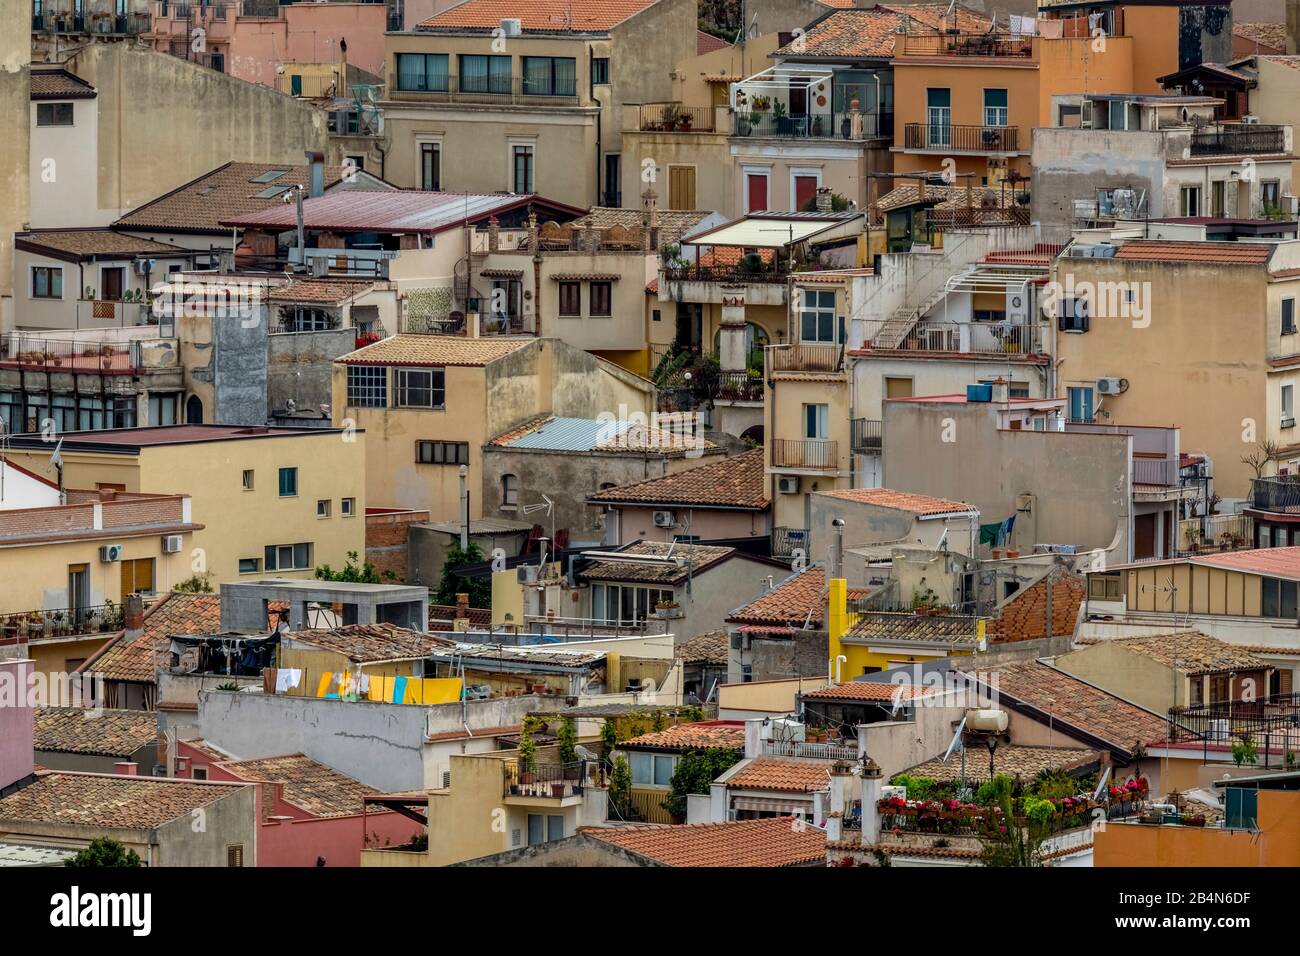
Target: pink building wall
x: 16, y: 727
x: 297, y: 838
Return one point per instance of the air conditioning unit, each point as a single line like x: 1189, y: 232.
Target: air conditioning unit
x: 787, y: 486
x: 109, y: 553
x: 1250, y: 119
x: 739, y: 642
x: 526, y: 573
x: 512, y: 27
x: 145, y: 266
x: 171, y: 543
x: 664, y: 519
x: 1112, y: 386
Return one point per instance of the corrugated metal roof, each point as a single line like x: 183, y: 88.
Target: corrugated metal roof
x: 398, y: 211
x: 570, y: 434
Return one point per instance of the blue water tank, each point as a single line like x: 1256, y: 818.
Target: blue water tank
x: 979, y: 393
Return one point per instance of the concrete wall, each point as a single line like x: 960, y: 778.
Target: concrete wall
x: 63, y: 174
x: 15, y: 97
x: 637, y: 524
x: 299, y: 364
x: 202, y: 838
x: 1134, y: 677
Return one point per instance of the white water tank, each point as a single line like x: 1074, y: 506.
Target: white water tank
x: 987, y: 721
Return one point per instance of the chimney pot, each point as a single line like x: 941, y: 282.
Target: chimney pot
x: 133, y: 612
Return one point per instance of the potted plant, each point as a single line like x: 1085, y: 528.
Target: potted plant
x: 527, y: 759
x: 784, y: 125
x: 684, y: 123
x: 567, y: 740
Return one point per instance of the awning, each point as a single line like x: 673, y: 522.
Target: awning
x: 989, y: 277
x: 776, y: 231
x: 782, y: 805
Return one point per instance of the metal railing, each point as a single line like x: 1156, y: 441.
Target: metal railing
x: 450, y: 86
x: 63, y: 355
x: 1268, y: 726
x: 675, y: 118
x: 968, y: 139
x: 867, y: 436
x: 973, y: 337
x: 849, y: 125
x: 1281, y: 494
x: 818, y: 454
x: 1236, y: 140
x: 740, y: 387
x: 1155, y: 471
x: 550, y: 780
x: 805, y: 748
x: 23, y: 626
x: 807, y: 357
x: 738, y: 274
x: 785, y: 541
x: 966, y: 44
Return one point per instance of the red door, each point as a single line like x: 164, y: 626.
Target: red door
x: 756, y: 187
x: 805, y: 190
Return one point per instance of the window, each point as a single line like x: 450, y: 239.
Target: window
x: 1104, y: 587
x: 522, y: 158
x: 47, y: 282
x: 422, y: 72
x: 613, y: 188
x: 484, y: 74
x: 663, y: 770
x: 421, y: 388
x: 430, y: 167
x: 250, y: 565
x: 995, y: 107
x: 656, y: 315
x: 137, y: 576
x: 510, y: 491
x: 681, y: 187
x: 246, y: 480
x: 570, y: 298
x: 288, y: 482
x: 602, y: 298
x: 323, y: 507
x: 652, y: 770
x: 1269, y: 192
x: 1278, y: 598
x: 1080, y: 403
x: 1191, y: 200
x: 442, y: 453
x: 367, y: 386
x: 54, y: 114
x: 199, y: 773
x: 755, y: 191
x: 235, y: 854
x: 938, y: 113
x: 600, y: 71
x: 162, y: 409
x: 1217, y: 189
x: 817, y: 317
x: 1288, y: 406
x: 347, y: 507
x: 817, y: 421
x: 550, y: 76
x: 624, y: 603
x: 1288, y: 316
x: 288, y: 557
x: 1074, y: 315
x: 112, y: 282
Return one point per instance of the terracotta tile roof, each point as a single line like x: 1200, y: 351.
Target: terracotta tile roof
x: 673, y: 223
x: 703, y: 556
x: 1024, y: 617
x: 324, y: 291
x: 910, y: 850
x: 102, y: 800
x: 1266, y: 35
x: 1290, y: 61
x: 136, y: 660
x: 920, y: 505
x: 862, y: 690
x: 434, y: 350
x: 787, y: 776
x: 542, y: 16
x: 94, y: 242
x: 728, y: 734
x: 736, y: 482
x: 708, y: 648
x: 789, y: 603
x: 1220, y: 253
x: 105, y: 733
x: 225, y: 192
x: 373, y: 642
x: 707, y: 43
x: 721, y: 256
x: 951, y: 630
x: 1013, y: 760
x: 869, y: 33
x: 749, y: 843
x: 208, y: 750
x: 59, y: 85
x: 320, y: 790
x: 1191, y: 652
x: 1077, y: 704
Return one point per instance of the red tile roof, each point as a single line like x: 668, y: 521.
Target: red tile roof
x: 708, y: 648
x: 137, y: 659
x: 103, y: 733
x: 790, y: 603
x: 1220, y: 253
x: 434, y: 350
x: 543, y: 16
x: 59, y: 85
x: 323, y: 291
x: 786, y: 776
x: 112, y: 802
x: 320, y: 790
x: 871, y: 691
x: 1279, y: 562
x: 777, y: 841
x: 920, y: 505
x: 1024, y: 617
x: 1267, y: 37
x: 736, y: 482
x: 84, y: 243
x: 707, y: 43
x: 869, y: 33
x: 704, y: 735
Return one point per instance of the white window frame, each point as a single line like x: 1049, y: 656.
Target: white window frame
x: 511, y: 146
x: 436, y: 143
x: 745, y: 173
x: 796, y: 172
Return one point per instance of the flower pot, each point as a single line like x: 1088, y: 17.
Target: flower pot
x: 1012, y: 553
x: 557, y: 791
x: 997, y: 554
x: 527, y: 778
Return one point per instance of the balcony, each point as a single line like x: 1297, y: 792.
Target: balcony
x: 740, y: 387
x: 1269, y: 724
x: 98, y: 24
x: 786, y: 541
x: 965, y: 44
x: 1157, y: 472
x: 1238, y: 141
x: 811, y: 454
x: 745, y: 272
x: 979, y: 338
x: 549, y: 784
x: 850, y: 125
x: 24, y: 351
x: 451, y: 88
x: 1281, y: 495
x: 867, y: 437
x: 805, y: 357
x: 812, y: 749
x: 936, y: 138
x: 674, y: 118
x: 63, y: 623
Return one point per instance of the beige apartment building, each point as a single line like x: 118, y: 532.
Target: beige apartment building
x: 1171, y: 322
x: 485, y: 98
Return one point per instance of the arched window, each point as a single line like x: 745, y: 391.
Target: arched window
x: 193, y: 410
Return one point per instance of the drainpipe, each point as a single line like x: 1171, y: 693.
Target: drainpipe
x: 591, y: 89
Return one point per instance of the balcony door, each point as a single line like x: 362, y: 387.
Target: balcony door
x: 938, y: 117
x: 756, y: 191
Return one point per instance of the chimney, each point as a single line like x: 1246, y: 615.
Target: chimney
x: 824, y: 203
x: 126, y: 768
x: 494, y: 234
x: 841, y: 774
x: 133, y: 614
x: 317, y: 180
x: 650, y: 220
x: 272, y: 795
x: 872, y: 781
x: 16, y: 727
x: 1001, y: 390
x: 753, y: 737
